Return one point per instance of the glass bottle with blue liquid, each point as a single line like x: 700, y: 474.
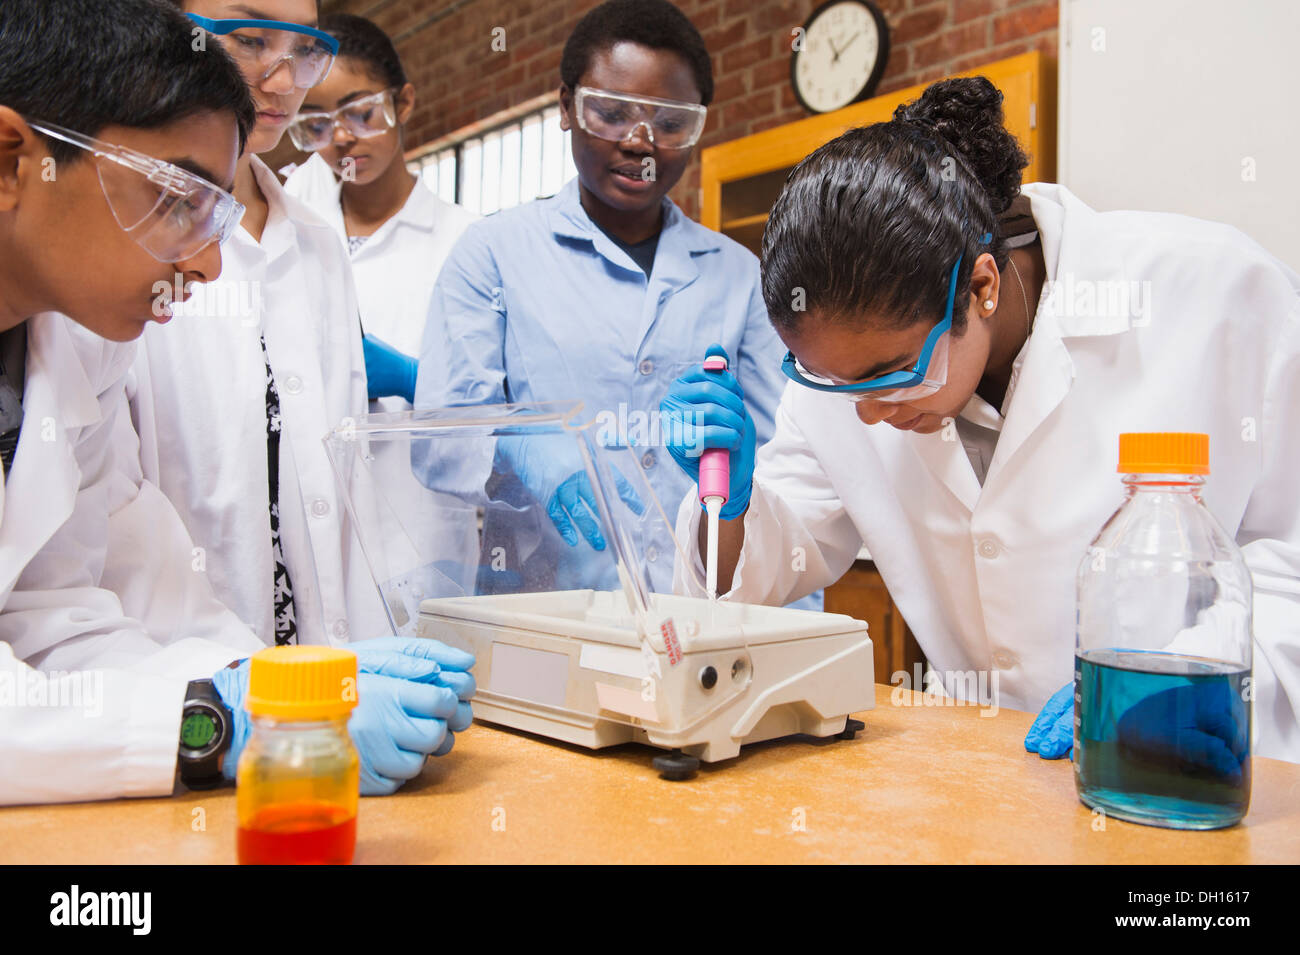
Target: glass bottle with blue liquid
x: 1162, y: 669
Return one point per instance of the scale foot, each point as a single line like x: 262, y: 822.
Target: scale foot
x: 851, y: 729
x: 676, y: 765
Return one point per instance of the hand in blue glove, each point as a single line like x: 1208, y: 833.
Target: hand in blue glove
x: 423, y: 661
x: 389, y: 372
x: 1201, y: 725
x: 392, y: 728
x: 1052, y: 735
x: 704, y: 410
x: 554, y: 473
x: 396, y: 724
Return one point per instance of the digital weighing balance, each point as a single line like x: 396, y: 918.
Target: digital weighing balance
x: 571, y: 642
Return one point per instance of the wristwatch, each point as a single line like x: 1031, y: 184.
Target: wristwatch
x: 206, y: 725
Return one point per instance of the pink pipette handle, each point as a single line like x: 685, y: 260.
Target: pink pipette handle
x: 715, y: 464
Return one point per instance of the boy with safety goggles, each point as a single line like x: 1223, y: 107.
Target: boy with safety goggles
x: 117, y: 149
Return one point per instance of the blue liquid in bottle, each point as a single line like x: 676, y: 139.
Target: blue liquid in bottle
x: 1162, y: 738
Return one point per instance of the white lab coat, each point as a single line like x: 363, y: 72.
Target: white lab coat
x: 396, y: 269
x: 198, y: 400
x: 99, y: 597
x: 985, y: 577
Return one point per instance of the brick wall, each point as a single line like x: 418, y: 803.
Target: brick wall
x: 446, y: 48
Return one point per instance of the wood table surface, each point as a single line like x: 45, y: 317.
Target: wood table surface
x: 930, y: 784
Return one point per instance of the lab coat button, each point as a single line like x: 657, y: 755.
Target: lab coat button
x: 1004, y: 660
x: 646, y: 367
x: 293, y: 385
x: 341, y: 629
x: 320, y: 508
x: 988, y: 548
x: 648, y: 460
x: 652, y: 553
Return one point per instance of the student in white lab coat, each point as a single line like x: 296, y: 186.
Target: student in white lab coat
x: 102, y: 619
x: 269, y: 360
x: 108, y: 628
x: 396, y: 230
x: 232, y: 399
x: 978, y: 483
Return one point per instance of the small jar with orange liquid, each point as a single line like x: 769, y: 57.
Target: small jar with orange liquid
x: 298, y: 778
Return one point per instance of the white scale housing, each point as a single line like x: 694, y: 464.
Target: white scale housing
x: 595, y: 666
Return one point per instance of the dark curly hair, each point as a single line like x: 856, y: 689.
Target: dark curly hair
x: 653, y: 23
x: 871, y: 223
x: 363, y: 41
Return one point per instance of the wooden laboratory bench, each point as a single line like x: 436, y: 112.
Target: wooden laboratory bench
x: 920, y: 784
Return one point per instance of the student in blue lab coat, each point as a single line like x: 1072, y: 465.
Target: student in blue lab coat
x: 607, y: 291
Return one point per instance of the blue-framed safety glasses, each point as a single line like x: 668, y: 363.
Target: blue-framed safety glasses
x: 928, y: 375
x: 260, y: 46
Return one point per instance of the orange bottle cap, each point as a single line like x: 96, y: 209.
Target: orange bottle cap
x: 302, y: 683
x: 1164, y: 452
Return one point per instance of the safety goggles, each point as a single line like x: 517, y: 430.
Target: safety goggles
x: 363, y: 118
x: 928, y: 375
x: 170, y: 212
x: 668, y: 123
x: 260, y: 46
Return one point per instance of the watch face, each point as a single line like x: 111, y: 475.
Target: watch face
x: 842, y: 49
x: 198, y: 729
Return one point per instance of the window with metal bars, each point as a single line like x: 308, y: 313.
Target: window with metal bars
x: 508, y: 164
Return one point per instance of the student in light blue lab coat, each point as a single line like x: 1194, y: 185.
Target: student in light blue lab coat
x: 607, y: 291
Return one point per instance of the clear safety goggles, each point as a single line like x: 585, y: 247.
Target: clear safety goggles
x: 362, y: 118
x: 171, y: 213
x: 616, y: 117
x: 260, y: 46
x: 928, y: 375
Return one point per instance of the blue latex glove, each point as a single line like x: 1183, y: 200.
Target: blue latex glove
x: 231, y: 685
x: 554, y: 473
x: 393, y: 729
x: 1052, y: 735
x: 704, y: 410
x: 389, y: 372
x: 423, y: 661
x: 396, y: 724
x: 1202, y: 725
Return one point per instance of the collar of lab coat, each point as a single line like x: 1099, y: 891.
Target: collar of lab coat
x: 680, y: 239
x: 420, y: 211
x: 285, y: 214
x: 1075, y: 249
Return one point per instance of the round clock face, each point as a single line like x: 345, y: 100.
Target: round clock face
x: 841, y: 48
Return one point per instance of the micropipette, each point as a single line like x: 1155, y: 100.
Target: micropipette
x: 715, y: 480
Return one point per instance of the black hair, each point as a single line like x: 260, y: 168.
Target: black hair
x: 359, y: 39
x: 87, y: 64
x: 653, y: 23
x: 872, y: 222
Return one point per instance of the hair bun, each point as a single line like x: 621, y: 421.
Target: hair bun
x: 967, y: 112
